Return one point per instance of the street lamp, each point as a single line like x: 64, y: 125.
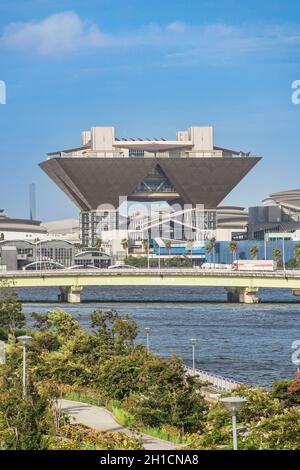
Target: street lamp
x: 147, y: 330
x: 193, y: 343
x: 24, y: 340
x: 233, y: 405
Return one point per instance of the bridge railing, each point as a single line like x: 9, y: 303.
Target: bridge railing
x: 221, y: 383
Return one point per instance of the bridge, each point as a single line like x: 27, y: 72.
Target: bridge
x: 241, y: 286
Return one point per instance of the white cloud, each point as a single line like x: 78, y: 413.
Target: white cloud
x: 176, y: 27
x: 178, y: 43
x: 57, y: 34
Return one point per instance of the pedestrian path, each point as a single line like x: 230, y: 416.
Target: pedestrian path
x: 100, y: 418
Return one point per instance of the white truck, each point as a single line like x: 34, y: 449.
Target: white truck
x: 254, y: 265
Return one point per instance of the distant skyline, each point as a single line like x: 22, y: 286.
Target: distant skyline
x: 148, y: 68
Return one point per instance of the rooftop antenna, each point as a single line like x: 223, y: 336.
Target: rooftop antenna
x: 32, y: 202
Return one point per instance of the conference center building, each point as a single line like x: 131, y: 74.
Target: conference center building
x: 183, y: 180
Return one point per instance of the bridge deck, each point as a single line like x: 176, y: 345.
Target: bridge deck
x: 153, y: 277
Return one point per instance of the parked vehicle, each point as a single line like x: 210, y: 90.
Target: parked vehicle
x: 215, y: 266
x: 254, y: 265
x: 83, y: 266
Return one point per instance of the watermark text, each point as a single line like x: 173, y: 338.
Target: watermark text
x: 2, y: 92
x: 296, y: 93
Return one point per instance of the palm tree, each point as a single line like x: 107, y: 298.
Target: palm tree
x: 125, y: 245
x: 190, y: 246
x: 254, y: 251
x: 98, y: 243
x: 233, y: 247
x: 145, y: 245
x: 213, y: 242
x: 209, y: 247
x: 146, y: 249
x: 297, y: 253
x: 168, y: 245
x: 276, y: 255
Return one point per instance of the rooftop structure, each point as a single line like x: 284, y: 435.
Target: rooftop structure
x: 11, y: 229
x: 67, y: 229
x: 288, y: 202
x: 190, y: 170
x: 280, y: 212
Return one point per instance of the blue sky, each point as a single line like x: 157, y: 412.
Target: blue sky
x: 149, y: 68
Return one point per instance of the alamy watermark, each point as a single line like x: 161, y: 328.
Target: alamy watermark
x: 296, y: 93
x: 2, y: 92
x: 296, y: 353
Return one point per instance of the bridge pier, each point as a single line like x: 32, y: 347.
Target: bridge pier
x: 70, y: 294
x: 244, y: 295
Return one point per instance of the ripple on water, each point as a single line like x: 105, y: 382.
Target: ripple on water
x: 250, y: 343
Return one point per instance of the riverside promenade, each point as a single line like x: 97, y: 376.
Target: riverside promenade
x: 98, y: 417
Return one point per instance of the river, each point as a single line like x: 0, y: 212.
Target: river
x: 249, y: 343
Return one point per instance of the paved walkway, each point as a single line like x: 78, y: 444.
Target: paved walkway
x: 100, y: 418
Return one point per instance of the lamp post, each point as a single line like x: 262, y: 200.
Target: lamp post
x: 148, y: 249
x: 283, y: 253
x: 159, y: 258
x: 147, y: 330
x: 193, y: 343
x: 265, y: 246
x: 233, y: 405
x: 24, y: 340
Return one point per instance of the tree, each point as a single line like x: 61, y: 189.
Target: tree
x: 25, y: 423
x: 208, y: 247
x: 280, y: 432
x: 125, y: 245
x: 120, y: 375
x: 254, y: 251
x: 233, y: 248
x: 213, y: 242
x: 276, y: 253
x: 168, y: 245
x: 166, y: 395
x: 217, y: 432
x: 98, y: 243
x: 287, y: 391
x: 297, y: 253
x: 113, y: 330
x: 145, y: 245
x: 63, y: 323
x: 12, y: 317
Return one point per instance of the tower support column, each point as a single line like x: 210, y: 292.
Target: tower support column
x: 70, y: 294
x: 244, y: 295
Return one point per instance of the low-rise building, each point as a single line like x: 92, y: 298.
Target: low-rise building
x: 27, y: 252
x: 280, y: 212
x: 16, y: 229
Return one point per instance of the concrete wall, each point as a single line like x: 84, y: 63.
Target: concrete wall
x: 9, y: 257
x: 103, y: 138
x: 202, y: 138
x: 11, y: 235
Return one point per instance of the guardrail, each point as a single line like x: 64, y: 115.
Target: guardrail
x: 153, y: 271
x: 221, y: 383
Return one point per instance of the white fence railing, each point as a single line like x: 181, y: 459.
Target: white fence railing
x: 221, y: 383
